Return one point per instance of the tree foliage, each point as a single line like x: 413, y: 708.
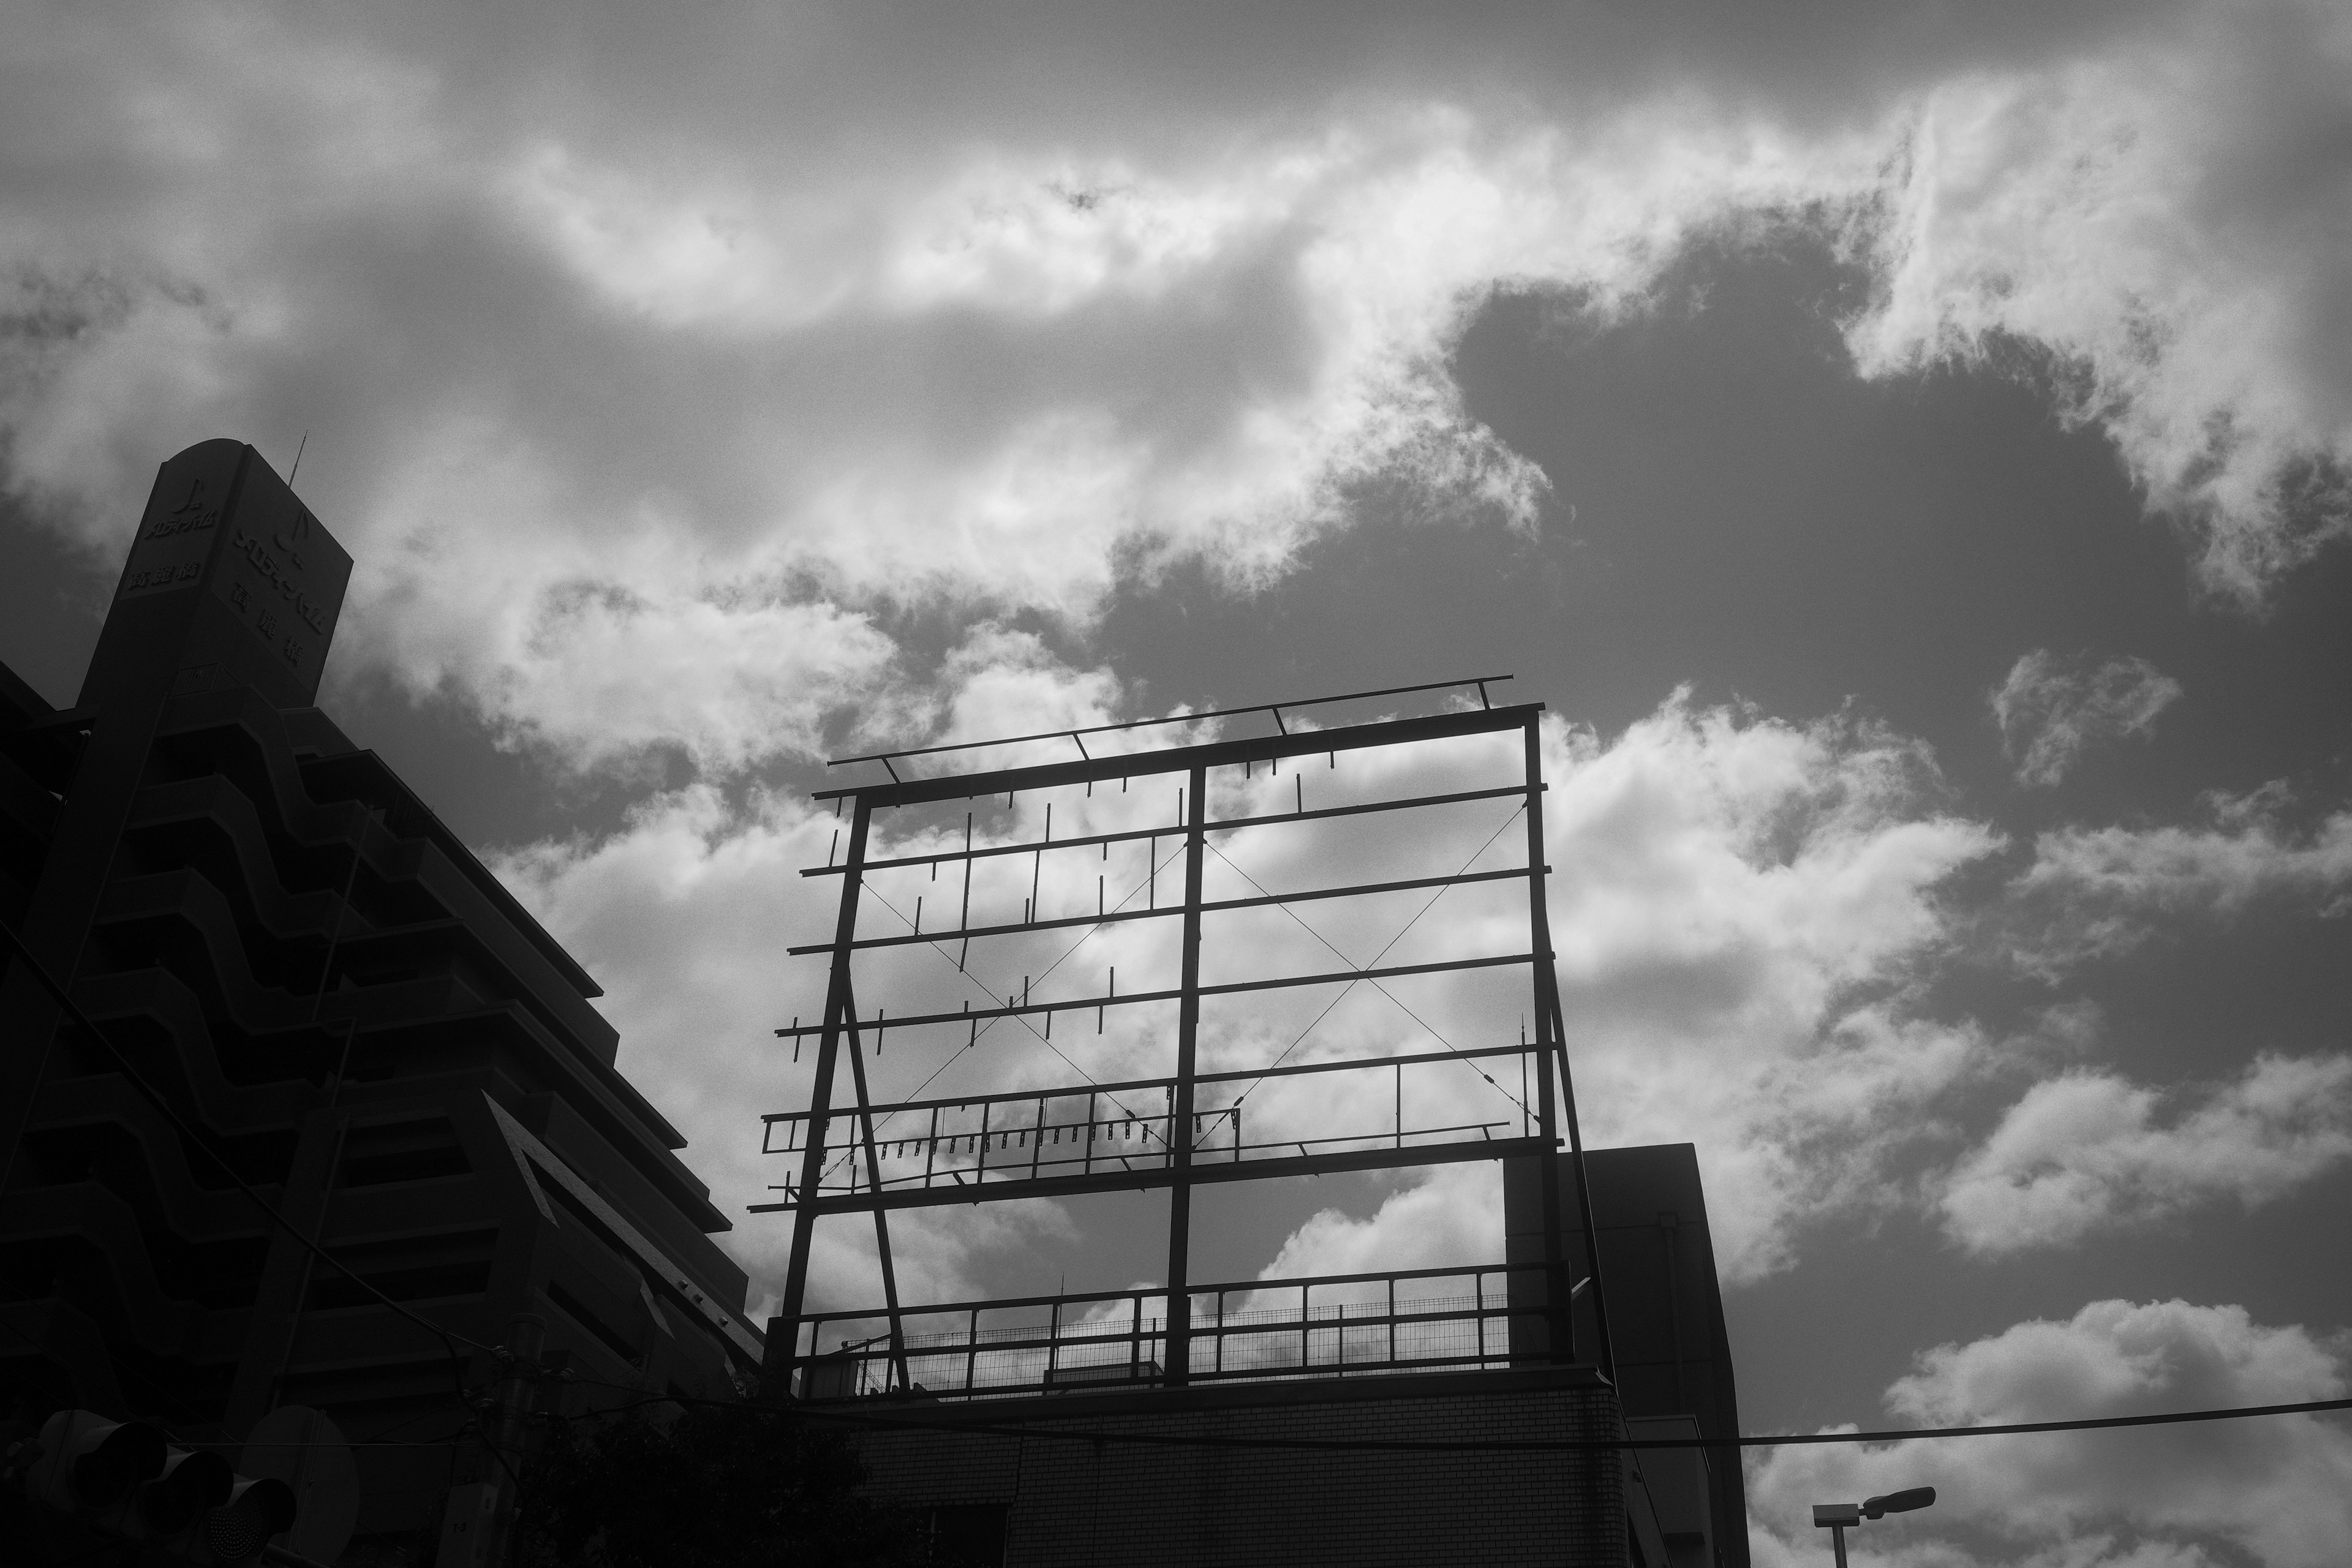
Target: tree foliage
x: 717, y: 1486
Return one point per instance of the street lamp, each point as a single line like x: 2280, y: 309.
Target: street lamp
x: 1834, y: 1517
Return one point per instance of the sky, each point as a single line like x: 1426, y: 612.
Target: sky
x: 1905, y: 447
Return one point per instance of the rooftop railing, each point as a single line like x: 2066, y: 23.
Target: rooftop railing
x: 1415, y: 1319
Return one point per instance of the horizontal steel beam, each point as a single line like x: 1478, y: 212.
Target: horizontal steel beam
x: 1229, y: 988
x: 959, y: 933
x: 1133, y: 835
x: 1137, y: 1085
x: 1167, y: 1176
x: 1480, y: 681
x: 1159, y: 1292
x: 1182, y: 759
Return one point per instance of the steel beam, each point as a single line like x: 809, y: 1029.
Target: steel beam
x: 1155, y: 1180
x: 1361, y: 890
x: 1138, y: 1085
x: 836, y: 1009
x: 1135, y: 835
x: 1231, y: 987
x: 1275, y: 709
x: 1183, y: 759
x: 1178, y: 1369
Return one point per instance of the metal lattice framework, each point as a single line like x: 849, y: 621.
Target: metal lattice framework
x: 1089, y: 1137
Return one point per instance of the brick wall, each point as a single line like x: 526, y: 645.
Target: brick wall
x: 1074, y: 1501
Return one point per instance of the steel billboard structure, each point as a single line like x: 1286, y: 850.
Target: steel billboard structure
x: 1088, y: 1137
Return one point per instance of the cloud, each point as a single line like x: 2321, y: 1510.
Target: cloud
x: 1452, y: 1215
x: 2145, y: 219
x: 2088, y: 1152
x: 657, y: 379
x: 2098, y: 892
x: 2051, y: 710
x: 683, y: 915
x: 724, y: 385
x: 622, y: 432
x: 1742, y: 910
x: 2278, y: 1488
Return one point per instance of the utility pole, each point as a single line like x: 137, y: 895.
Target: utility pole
x: 506, y: 1428
x: 479, y: 1527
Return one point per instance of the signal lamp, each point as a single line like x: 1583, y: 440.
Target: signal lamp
x: 255, y: 1511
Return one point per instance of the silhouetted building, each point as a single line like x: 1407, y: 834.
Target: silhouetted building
x: 1031, y: 1490
x: 346, y: 1005
x: 1673, y: 1359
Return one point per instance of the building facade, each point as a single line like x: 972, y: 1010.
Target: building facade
x: 1276, y: 1472
x: 1670, y: 1355
x: 335, y: 999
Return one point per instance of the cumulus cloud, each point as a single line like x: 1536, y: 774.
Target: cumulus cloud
x: 2096, y: 892
x: 1452, y: 1216
x: 682, y: 917
x: 2051, y: 710
x: 650, y: 378
x: 614, y: 431
x: 2146, y: 216
x: 1743, y: 909
x: 726, y: 385
x: 1739, y: 946
x: 2088, y: 1152
x: 1752, y: 903
x: 684, y: 913
x: 2278, y: 1489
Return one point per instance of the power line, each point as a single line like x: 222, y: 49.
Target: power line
x: 1546, y: 1446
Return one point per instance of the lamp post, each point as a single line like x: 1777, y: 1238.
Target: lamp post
x: 1834, y: 1517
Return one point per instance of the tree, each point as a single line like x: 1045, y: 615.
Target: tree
x: 716, y: 1487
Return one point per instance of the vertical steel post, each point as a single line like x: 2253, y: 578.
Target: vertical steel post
x: 1551, y: 1030
x: 881, y: 1216
x: 1188, y: 1028
x: 1559, y: 1321
x: 836, y: 1006
x: 1608, y: 1357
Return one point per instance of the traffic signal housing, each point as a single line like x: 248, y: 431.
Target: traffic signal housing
x: 127, y: 1479
x: 88, y: 1466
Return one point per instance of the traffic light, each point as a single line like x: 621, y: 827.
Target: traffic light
x: 127, y: 1479
x: 88, y: 1466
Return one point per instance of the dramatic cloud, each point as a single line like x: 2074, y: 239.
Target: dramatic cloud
x: 2051, y: 710
x: 1454, y: 1216
x: 1753, y: 903
x: 711, y: 386
x: 2278, y: 1489
x: 2093, y: 892
x: 651, y: 375
x: 2148, y: 216
x: 1750, y: 904
x: 2088, y: 1152
x: 682, y: 916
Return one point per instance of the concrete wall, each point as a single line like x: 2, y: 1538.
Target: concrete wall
x: 1071, y: 1502
x: 1673, y: 1370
